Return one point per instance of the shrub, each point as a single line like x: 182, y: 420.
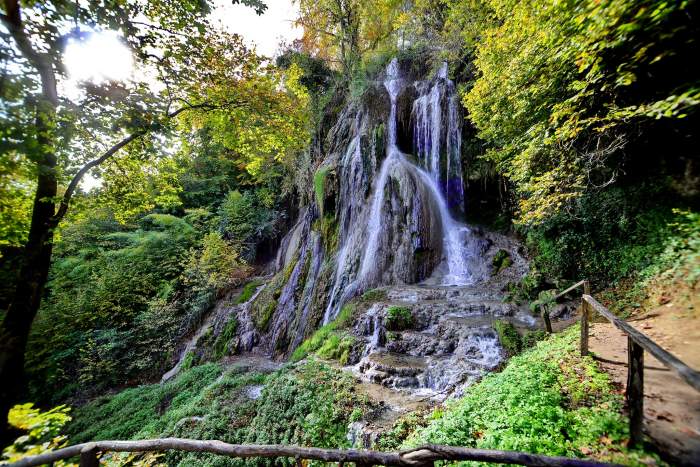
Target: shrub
x: 398, y: 318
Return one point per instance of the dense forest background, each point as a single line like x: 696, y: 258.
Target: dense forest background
x: 580, y: 138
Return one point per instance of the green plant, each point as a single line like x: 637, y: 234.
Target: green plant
x: 547, y: 400
x: 398, y: 318
x: 508, y: 336
x: 42, y: 432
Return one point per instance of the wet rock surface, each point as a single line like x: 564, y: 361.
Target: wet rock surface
x: 449, y: 345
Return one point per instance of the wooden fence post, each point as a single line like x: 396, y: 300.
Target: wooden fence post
x: 545, y: 318
x: 635, y: 390
x: 585, y: 311
x: 585, y: 318
x: 88, y: 456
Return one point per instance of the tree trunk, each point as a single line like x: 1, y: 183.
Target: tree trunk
x: 34, y: 269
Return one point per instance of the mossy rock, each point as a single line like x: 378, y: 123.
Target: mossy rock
x: 501, y: 260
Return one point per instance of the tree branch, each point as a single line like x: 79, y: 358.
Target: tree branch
x: 63, y: 207
x: 12, y: 19
x: 70, y: 191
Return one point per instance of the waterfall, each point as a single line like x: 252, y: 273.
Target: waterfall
x: 437, y: 139
x: 456, y: 251
x: 361, y: 262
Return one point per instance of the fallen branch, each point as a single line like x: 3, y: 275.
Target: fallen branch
x: 421, y: 456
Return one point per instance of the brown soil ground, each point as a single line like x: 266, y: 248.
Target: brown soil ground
x: 671, y: 407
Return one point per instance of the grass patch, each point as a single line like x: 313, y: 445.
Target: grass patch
x: 248, y: 291
x: 548, y: 400
x: 329, y: 341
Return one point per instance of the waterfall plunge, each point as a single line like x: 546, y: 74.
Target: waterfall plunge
x: 444, y: 192
x: 456, y: 253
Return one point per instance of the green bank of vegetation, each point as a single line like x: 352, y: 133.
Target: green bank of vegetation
x: 580, y: 137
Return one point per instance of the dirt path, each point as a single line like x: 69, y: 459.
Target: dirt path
x: 671, y: 407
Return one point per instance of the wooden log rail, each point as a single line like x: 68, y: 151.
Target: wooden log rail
x: 544, y: 309
x: 422, y: 456
x: 637, y: 343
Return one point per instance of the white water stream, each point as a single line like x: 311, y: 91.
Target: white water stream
x: 454, y: 269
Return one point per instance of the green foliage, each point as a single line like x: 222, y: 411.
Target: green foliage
x: 222, y: 340
x: 42, y: 432
x: 216, y: 266
x: 563, y: 87
x: 330, y: 341
x: 309, y: 405
x: 606, y: 236
x: 248, y: 290
x: 249, y: 217
x: 121, y: 297
x: 501, y: 260
x: 548, y: 400
x: 398, y: 318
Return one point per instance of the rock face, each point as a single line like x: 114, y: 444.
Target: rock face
x: 388, y: 197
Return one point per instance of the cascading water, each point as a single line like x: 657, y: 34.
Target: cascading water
x: 437, y: 142
x: 456, y: 251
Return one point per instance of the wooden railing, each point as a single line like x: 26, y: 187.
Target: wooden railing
x: 427, y: 455
x: 422, y: 456
x: 637, y: 343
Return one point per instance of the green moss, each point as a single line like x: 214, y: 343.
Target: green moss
x: 501, y: 260
x: 398, y: 318
x: 248, y: 291
x: 263, y: 319
x: 508, y: 337
x: 374, y: 295
x: 330, y: 341
x: 320, y: 186
x: 548, y: 400
x: 222, y: 340
x: 327, y: 225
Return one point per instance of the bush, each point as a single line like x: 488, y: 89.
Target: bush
x: 398, y: 318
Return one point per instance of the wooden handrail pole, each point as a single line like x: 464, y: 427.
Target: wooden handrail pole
x: 635, y: 390
x: 544, y: 311
x: 586, y: 287
x: 88, y: 456
x: 585, y: 312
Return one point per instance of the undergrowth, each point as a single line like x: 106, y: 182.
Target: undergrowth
x: 309, y: 404
x: 548, y: 400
